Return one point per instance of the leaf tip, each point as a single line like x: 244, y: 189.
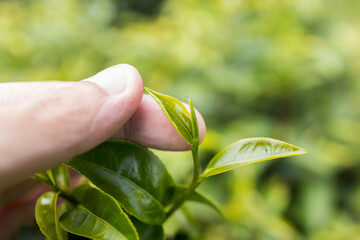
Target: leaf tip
x: 151, y: 92
x: 303, y: 151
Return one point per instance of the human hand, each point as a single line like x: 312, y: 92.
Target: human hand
x: 44, y: 124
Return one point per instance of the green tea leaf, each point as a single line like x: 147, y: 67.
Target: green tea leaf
x: 80, y: 222
x: 177, y: 114
x: 62, y: 235
x: 50, y: 176
x: 61, y: 177
x: 248, y: 151
x: 44, y: 178
x: 149, y: 232
x: 57, y: 178
x: 198, y: 197
x: 97, y: 209
x: 195, y: 126
x: 131, y: 197
x: 46, y: 216
x: 180, y: 190
x: 133, y: 175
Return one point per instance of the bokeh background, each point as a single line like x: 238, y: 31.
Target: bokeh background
x: 287, y: 69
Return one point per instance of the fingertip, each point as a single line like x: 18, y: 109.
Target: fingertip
x: 117, y: 79
x: 134, y: 81
x: 120, y: 106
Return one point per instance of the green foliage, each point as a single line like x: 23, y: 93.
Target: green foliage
x: 111, y: 218
x: 286, y: 69
x: 177, y: 114
x: 60, y: 177
x: 129, y: 176
x: 80, y: 222
x: 247, y: 151
x: 57, y: 178
x: 44, y: 178
x: 194, y: 125
x: 47, y: 216
x: 149, y: 232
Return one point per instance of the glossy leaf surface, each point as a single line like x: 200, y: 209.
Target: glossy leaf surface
x: 46, y: 216
x: 248, y: 151
x: 61, y: 178
x: 98, y: 216
x: 44, y: 178
x: 195, y: 126
x: 149, y: 232
x: 106, y: 208
x: 80, y: 222
x: 177, y: 114
x: 133, y: 175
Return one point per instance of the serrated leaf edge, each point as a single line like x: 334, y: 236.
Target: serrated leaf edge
x: 118, y: 205
x: 194, y: 124
x: 167, y: 113
x: 53, y: 201
x: 100, y: 219
x: 212, y: 171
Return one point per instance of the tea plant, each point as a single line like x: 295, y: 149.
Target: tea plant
x: 130, y: 193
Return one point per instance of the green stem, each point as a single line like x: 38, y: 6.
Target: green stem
x: 194, y: 183
x: 197, y: 170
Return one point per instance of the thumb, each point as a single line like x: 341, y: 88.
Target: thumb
x: 52, y: 128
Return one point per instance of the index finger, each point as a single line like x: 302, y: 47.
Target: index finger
x: 148, y: 126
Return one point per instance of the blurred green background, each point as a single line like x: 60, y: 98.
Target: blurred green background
x: 287, y: 69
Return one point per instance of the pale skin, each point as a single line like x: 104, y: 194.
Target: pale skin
x: 44, y: 124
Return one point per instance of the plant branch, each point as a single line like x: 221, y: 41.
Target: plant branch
x: 194, y: 183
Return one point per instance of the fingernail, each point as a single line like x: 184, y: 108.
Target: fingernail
x: 113, y: 79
